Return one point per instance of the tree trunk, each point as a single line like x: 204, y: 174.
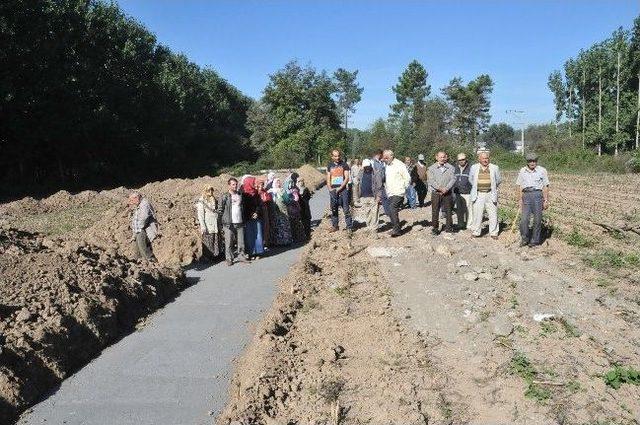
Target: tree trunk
x: 570, y: 110
x: 638, y: 114
x: 599, y: 111
x: 617, y: 103
x: 584, y: 103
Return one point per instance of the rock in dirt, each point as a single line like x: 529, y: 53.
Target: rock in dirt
x: 541, y: 317
x: 514, y: 277
x: 379, y: 252
x: 470, y: 276
x: 501, y: 326
x: 462, y: 263
x: 443, y: 250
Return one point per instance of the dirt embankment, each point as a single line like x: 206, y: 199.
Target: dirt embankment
x: 69, y: 286
x: 447, y: 329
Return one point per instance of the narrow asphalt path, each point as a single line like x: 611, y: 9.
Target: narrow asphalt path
x: 176, y: 370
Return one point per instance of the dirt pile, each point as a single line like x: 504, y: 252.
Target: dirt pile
x: 62, y: 303
x: 332, y: 351
x: 312, y: 177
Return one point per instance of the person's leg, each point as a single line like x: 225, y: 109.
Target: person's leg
x: 447, y: 204
x: 478, y: 213
x: 356, y: 193
x: 537, y: 203
x: 385, y: 203
x: 333, y: 196
x: 373, y: 215
x: 461, y: 210
x: 527, y: 209
x: 435, y: 210
x: 396, y: 206
x: 469, y: 208
x: 492, y: 212
x: 144, y: 246
x: 422, y: 192
x: 241, y: 250
x: 228, y: 243
x: 413, y: 202
x: 344, y: 201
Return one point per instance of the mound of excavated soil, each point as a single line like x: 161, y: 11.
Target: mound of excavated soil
x: 61, y: 304
x: 313, y: 178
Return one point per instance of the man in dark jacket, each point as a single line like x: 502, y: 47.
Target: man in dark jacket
x: 462, y: 190
x: 231, y: 212
x: 419, y: 176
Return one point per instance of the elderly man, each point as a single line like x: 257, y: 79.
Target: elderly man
x: 411, y: 193
x: 485, y: 179
x: 143, y: 225
x: 462, y: 191
x: 419, y: 176
x: 533, y: 197
x: 441, y: 178
x: 397, y: 180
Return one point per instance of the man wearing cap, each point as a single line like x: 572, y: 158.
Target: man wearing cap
x: 462, y: 191
x: 533, y: 197
x: 419, y: 176
x: 441, y: 181
x: 485, y: 179
x: 370, y: 195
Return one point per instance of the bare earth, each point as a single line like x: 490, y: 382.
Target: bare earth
x: 453, y: 329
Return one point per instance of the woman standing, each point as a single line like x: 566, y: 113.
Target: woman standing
x: 305, y: 209
x: 293, y: 207
x: 206, y: 207
x: 354, y: 176
x: 253, y: 242
x: 266, y: 206
x: 281, y: 231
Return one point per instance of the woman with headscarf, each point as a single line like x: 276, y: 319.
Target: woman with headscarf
x: 266, y: 201
x: 253, y: 242
x: 270, y: 177
x: 281, y: 231
x: 305, y: 209
x: 293, y: 207
x: 206, y: 207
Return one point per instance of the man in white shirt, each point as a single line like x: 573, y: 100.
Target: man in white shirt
x: 397, y: 180
x: 230, y: 211
x: 533, y: 198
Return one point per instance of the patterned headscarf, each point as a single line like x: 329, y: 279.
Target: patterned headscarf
x: 249, y: 185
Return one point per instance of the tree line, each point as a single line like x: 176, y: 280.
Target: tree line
x: 597, y: 93
x: 89, y: 98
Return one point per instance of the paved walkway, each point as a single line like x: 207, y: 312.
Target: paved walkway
x: 175, y: 370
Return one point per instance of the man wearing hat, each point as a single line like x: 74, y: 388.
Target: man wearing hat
x: 419, y: 177
x: 462, y: 191
x: 533, y: 197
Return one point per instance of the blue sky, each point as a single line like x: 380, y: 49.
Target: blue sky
x: 518, y: 43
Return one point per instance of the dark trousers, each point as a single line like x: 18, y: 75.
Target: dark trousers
x: 233, y: 233
x: 340, y: 200
x: 445, y: 202
x: 395, y: 205
x: 531, y: 206
x: 421, y: 188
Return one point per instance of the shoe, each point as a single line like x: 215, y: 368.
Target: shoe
x: 229, y: 263
x: 435, y: 232
x: 523, y: 243
x: 395, y: 234
x: 449, y: 230
x: 495, y: 238
x: 533, y: 245
x: 333, y: 229
x: 244, y: 259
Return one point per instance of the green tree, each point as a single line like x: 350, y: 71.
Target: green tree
x: 556, y: 85
x: 348, y: 92
x: 411, y: 92
x: 499, y: 135
x: 470, y: 106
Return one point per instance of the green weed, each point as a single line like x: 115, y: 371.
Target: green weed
x: 569, y: 328
x: 575, y: 238
x: 620, y: 375
x: 521, y: 366
x: 548, y: 328
x: 612, y: 259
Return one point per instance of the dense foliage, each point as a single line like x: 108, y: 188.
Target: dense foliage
x: 597, y: 93
x: 88, y: 98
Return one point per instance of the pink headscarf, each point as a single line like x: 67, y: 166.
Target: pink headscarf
x: 249, y: 186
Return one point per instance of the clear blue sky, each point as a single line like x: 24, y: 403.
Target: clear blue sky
x: 518, y: 43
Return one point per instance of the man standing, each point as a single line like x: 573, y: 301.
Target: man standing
x: 378, y: 169
x: 231, y: 211
x: 370, y: 190
x: 420, y: 177
x: 462, y: 191
x: 533, y: 197
x: 485, y: 179
x: 397, y: 180
x: 441, y: 180
x: 337, y: 181
x: 143, y: 225
x: 411, y: 194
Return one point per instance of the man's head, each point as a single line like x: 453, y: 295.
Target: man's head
x: 378, y: 154
x: 532, y: 160
x: 134, y: 199
x: 483, y: 158
x: 407, y: 160
x: 441, y: 157
x: 233, y: 184
x: 335, y: 155
x: 462, y: 159
x: 387, y: 156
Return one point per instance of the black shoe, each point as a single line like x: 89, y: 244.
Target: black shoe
x: 395, y: 234
x: 533, y: 245
x: 523, y: 243
x: 449, y: 230
x: 435, y: 232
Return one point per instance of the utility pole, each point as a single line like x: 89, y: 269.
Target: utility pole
x: 617, y: 103
x: 638, y: 114
x: 520, y: 114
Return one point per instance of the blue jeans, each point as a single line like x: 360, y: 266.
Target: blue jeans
x: 340, y: 200
x: 412, y: 196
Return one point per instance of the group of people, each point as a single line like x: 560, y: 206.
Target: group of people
x: 469, y: 189
x: 250, y: 217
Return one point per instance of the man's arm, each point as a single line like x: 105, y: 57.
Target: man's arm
x: 545, y: 197
x: 431, y: 179
x: 498, y: 176
x: 328, y: 179
x: 345, y: 180
x: 451, y: 183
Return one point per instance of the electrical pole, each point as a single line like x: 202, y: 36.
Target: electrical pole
x: 521, y: 115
